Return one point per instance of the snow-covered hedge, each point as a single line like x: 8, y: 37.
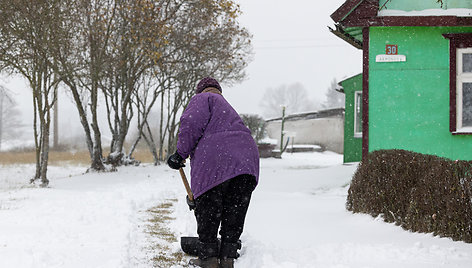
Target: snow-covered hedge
x: 421, y: 193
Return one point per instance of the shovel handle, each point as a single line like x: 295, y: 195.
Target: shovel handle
x: 185, y: 181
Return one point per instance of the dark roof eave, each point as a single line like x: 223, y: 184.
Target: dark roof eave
x: 432, y: 21
x: 342, y: 12
x: 339, y: 32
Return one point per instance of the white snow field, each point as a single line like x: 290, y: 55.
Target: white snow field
x: 297, y: 218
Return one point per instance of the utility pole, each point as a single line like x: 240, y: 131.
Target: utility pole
x: 282, y: 130
x: 56, y: 125
x: 2, y: 97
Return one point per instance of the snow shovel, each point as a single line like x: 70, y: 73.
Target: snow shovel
x: 190, y: 201
x: 189, y: 244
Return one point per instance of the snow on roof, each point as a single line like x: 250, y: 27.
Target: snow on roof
x: 268, y: 140
x: 332, y: 112
x: 348, y: 76
x: 458, y: 12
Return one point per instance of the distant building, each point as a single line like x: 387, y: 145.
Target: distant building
x: 352, y: 88
x: 323, y: 128
x: 417, y: 73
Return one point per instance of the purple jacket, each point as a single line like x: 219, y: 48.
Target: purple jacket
x: 220, y: 146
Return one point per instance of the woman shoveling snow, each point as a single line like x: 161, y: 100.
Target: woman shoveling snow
x: 224, y: 162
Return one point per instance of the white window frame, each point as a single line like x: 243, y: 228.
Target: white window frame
x: 460, y: 79
x: 357, y: 106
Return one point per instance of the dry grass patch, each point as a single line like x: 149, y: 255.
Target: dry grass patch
x: 162, y: 236
x: 60, y: 157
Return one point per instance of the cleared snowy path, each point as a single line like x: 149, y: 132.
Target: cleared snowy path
x: 297, y: 219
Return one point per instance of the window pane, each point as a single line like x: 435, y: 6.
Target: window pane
x: 467, y: 63
x: 467, y: 104
x: 358, y: 113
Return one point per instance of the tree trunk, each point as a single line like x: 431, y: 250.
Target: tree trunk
x: 97, y: 155
x: 41, y: 86
x: 83, y: 117
x: 94, y: 69
x: 161, y: 130
x: 37, y: 141
x: 151, y: 145
x: 45, y: 126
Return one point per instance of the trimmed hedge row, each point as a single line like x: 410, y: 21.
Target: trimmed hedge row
x: 421, y: 193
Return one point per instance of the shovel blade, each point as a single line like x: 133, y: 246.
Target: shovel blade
x: 189, y: 245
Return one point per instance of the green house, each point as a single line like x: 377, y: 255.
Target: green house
x: 352, y: 89
x: 417, y: 73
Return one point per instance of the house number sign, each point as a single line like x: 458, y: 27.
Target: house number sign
x: 391, y: 49
x: 391, y: 55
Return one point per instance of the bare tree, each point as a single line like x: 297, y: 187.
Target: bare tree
x: 10, y: 121
x: 215, y: 46
x: 79, y: 57
x: 204, y: 40
x: 145, y: 100
x: 334, y: 98
x: 138, y: 44
x: 294, y: 97
x: 26, y: 31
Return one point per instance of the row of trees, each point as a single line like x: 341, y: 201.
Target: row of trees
x: 131, y: 54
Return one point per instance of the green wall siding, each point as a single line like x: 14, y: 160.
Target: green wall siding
x: 409, y: 5
x: 409, y: 101
x: 352, y: 145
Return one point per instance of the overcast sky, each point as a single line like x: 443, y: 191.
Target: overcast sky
x: 292, y: 44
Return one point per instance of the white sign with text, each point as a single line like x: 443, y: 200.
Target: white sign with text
x: 390, y: 58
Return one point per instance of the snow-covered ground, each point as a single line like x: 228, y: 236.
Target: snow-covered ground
x: 297, y: 218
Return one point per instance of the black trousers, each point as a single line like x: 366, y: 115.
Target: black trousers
x: 225, y: 205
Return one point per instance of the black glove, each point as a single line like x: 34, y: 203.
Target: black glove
x: 175, y: 161
x: 191, y: 204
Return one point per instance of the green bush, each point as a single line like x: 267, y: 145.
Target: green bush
x: 421, y: 193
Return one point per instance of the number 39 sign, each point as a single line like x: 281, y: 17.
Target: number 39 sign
x: 391, y: 49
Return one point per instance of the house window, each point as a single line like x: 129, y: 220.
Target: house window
x: 464, y: 90
x: 358, y: 114
x: 460, y: 97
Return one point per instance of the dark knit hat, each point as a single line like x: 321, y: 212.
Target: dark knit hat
x: 207, y: 82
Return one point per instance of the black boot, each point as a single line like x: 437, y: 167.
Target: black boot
x: 226, y: 263
x: 228, y: 253
x: 207, y: 255
x: 206, y: 263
